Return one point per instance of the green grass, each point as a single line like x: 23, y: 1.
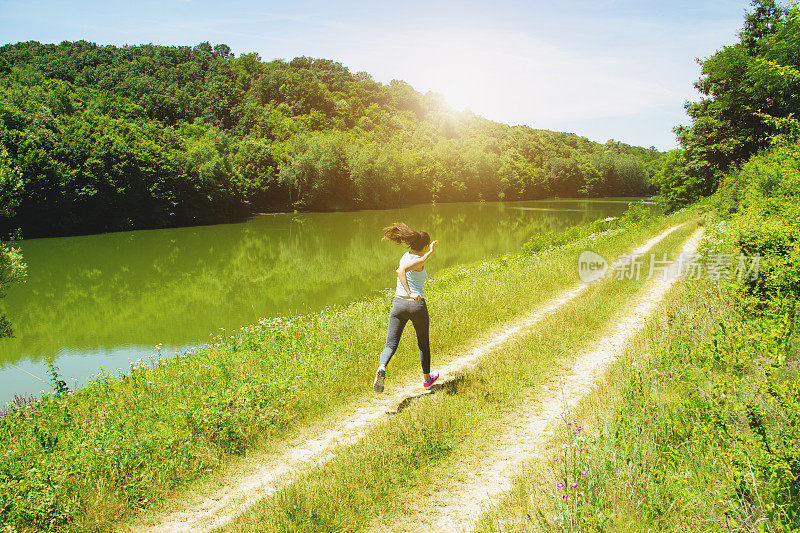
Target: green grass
x: 701, y: 435
x: 394, y: 469
x: 118, y: 446
x: 698, y: 428
x: 536, y: 500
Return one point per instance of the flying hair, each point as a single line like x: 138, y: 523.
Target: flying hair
x: 402, y: 234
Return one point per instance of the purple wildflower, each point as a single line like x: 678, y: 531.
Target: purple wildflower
x: 19, y: 402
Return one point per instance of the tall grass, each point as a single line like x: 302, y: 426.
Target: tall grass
x: 702, y: 434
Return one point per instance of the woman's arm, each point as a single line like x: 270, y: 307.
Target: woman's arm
x: 414, y: 263
x: 401, y: 271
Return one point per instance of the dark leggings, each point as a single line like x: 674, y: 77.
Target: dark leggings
x: 402, y: 311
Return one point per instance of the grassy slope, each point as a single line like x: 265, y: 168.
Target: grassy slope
x: 702, y: 434
x: 88, y: 459
x: 421, y: 450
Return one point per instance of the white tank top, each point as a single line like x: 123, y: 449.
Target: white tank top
x: 415, y: 278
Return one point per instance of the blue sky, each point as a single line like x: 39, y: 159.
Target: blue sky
x: 603, y: 69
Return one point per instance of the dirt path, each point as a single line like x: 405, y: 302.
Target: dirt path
x: 476, y: 486
x: 264, y: 475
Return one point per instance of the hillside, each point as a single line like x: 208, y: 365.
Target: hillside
x: 102, y: 138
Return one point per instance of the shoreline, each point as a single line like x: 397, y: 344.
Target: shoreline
x: 189, y: 414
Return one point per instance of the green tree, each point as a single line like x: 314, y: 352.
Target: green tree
x: 675, y: 185
x: 742, y: 84
x: 12, y: 268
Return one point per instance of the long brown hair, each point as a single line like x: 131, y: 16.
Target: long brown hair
x: 402, y: 234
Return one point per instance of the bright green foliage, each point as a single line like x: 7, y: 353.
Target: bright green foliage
x: 12, y: 269
x: 109, y: 138
x: 10, y: 184
x: 675, y: 187
x: 766, y: 218
x: 751, y: 89
x: 707, y: 430
x: 92, y: 161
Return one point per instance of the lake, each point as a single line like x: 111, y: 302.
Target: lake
x: 100, y: 301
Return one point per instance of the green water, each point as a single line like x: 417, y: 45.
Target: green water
x: 101, y: 301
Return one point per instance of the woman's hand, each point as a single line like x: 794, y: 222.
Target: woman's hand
x: 415, y: 296
x: 433, y: 244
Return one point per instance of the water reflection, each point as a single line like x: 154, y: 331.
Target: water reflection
x: 101, y: 300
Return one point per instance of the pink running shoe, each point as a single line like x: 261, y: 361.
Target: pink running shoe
x: 380, y: 376
x: 434, y: 377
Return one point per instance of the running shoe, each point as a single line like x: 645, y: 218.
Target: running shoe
x: 434, y: 377
x: 380, y: 376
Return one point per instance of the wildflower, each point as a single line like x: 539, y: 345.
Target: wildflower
x: 574, y: 485
x: 564, y: 496
x: 584, y: 473
x: 560, y: 485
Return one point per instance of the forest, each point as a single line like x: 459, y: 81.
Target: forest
x: 102, y: 138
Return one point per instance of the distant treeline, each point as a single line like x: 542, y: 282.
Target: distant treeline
x: 101, y: 138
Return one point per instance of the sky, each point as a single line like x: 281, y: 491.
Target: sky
x: 604, y: 69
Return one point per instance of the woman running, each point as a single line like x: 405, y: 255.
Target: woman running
x: 409, y: 300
